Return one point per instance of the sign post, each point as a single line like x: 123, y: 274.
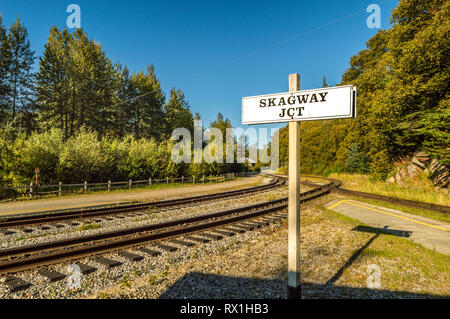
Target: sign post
x: 293, y: 107
x: 294, y: 200
x: 36, y: 170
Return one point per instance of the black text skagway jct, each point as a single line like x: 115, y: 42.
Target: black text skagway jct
x: 293, y: 100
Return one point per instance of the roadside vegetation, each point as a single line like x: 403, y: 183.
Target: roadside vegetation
x: 403, y: 83
x: 419, y: 189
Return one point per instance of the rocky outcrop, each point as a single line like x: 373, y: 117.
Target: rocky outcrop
x: 438, y: 173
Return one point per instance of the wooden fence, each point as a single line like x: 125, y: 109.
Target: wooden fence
x: 33, y: 190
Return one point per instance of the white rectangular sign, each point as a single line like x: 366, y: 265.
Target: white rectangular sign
x: 318, y: 104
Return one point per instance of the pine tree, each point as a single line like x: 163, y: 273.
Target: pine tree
x: 20, y: 77
x: 324, y: 82
x: 147, y: 113
x: 52, y: 81
x: 5, y: 63
x: 177, y: 113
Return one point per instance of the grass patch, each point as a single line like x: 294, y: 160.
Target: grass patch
x: 270, y: 197
x: 151, y: 210
x: 419, y: 189
x: 411, y: 210
x: 405, y: 265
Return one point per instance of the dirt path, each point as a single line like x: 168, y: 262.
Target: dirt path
x: 78, y: 201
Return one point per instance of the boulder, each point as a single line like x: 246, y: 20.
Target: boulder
x: 422, y: 157
x: 419, y: 163
x: 439, y: 174
x: 412, y: 170
x: 391, y: 180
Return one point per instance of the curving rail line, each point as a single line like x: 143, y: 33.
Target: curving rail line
x: 225, y: 222
x: 51, y: 217
x: 394, y: 200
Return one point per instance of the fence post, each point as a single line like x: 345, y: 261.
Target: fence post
x: 167, y: 180
x: 60, y: 189
x: 182, y: 179
x: 31, y: 190
x: 85, y: 187
x: 193, y: 179
x: 129, y: 184
x: 109, y: 185
x: 150, y: 181
x: 210, y: 178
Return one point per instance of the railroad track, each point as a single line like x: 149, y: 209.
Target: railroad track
x: 151, y: 239
x: 55, y: 217
x: 186, y: 232
x: 336, y: 187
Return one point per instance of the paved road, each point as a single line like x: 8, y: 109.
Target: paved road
x: 428, y: 232
x: 89, y: 200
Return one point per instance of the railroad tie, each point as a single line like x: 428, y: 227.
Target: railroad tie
x: 224, y: 232
x: 182, y: 242
x: 270, y: 219
x: 7, y: 232
x: 212, y: 236
x: 150, y: 252
x: 166, y: 247
x: 130, y: 256
x: 59, y: 226
x: 197, y: 239
x: 26, y: 230
x: 109, y: 263
x: 86, y: 269
x: 245, y: 226
x: 254, y: 224
x: 44, y: 227
x: 73, y: 223
x: 16, y: 284
x: 262, y: 222
x: 237, y: 230
x: 51, y: 275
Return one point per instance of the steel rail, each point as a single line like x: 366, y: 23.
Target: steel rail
x: 75, y: 248
x: 394, y: 200
x: 96, y: 212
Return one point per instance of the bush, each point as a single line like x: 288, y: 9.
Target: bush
x: 37, y: 150
x: 356, y: 161
x: 82, y: 158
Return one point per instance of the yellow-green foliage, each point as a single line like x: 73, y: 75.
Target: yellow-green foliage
x: 419, y: 188
x: 402, y: 78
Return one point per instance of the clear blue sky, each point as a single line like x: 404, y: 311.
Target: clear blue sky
x: 217, y: 51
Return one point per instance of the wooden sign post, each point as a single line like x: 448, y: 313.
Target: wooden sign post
x: 294, y: 200
x: 293, y: 107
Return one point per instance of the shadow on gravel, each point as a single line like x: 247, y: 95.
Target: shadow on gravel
x: 197, y: 285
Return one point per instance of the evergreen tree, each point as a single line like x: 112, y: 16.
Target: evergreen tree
x: 52, y: 81
x: 147, y: 113
x: 20, y: 77
x: 5, y: 63
x: 324, y: 82
x: 177, y: 113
